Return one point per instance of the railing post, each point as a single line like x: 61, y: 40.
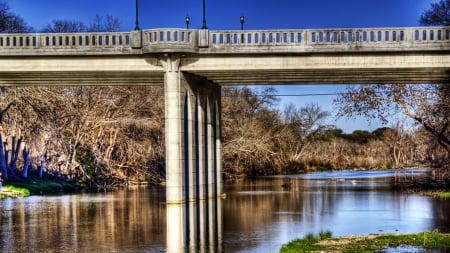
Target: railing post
x: 203, y: 38
x: 136, y: 39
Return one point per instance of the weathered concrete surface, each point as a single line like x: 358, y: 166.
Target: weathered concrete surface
x: 370, y: 55
x: 193, y: 137
x: 323, y: 68
x: 79, y: 71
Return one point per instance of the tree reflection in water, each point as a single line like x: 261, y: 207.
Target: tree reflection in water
x: 258, y: 216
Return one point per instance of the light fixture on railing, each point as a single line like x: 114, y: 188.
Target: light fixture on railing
x: 188, y: 20
x: 136, y: 28
x: 242, y: 18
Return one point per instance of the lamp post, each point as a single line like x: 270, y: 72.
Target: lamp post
x: 242, y: 18
x: 136, y: 28
x: 188, y: 20
x: 204, y: 16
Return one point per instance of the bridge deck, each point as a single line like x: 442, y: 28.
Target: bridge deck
x: 412, y: 54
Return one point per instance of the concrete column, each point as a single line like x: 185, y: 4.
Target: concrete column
x: 201, y: 155
x: 194, y: 162
x: 193, y: 136
x: 218, y: 144
x: 174, y: 131
x: 207, y: 131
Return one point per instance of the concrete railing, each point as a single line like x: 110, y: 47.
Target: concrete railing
x: 64, y: 43
x: 148, y: 41
x: 64, y: 40
x: 169, y: 40
x: 188, y: 41
x: 427, y: 38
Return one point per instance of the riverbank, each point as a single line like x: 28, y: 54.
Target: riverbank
x: 435, y: 183
x: 21, y: 189
x: 13, y: 192
x: 324, y: 242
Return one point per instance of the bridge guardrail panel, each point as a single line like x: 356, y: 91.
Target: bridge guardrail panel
x: 64, y: 43
x: 170, y: 40
x: 330, y: 40
x: 241, y: 41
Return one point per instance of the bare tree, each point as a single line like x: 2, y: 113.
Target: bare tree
x: 108, y: 23
x: 10, y: 22
x: 427, y: 105
x: 64, y: 26
x: 438, y: 14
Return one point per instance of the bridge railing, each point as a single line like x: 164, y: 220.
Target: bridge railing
x: 149, y: 41
x: 64, y: 40
x: 428, y: 38
x: 169, y: 40
x: 188, y: 40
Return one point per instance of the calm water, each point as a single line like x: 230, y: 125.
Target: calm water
x: 256, y: 216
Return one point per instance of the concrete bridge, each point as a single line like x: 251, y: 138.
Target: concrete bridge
x: 193, y: 64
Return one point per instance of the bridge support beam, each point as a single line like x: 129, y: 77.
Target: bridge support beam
x: 193, y: 136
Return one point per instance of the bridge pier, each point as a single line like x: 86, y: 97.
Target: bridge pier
x: 193, y: 136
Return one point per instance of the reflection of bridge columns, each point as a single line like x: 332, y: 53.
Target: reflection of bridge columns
x: 188, y: 231
x: 193, y: 132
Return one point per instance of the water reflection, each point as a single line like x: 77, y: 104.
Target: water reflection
x: 195, y: 226
x: 128, y: 220
x: 258, y: 216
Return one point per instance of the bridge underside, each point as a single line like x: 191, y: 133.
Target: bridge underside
x: 328, y: 76
x: 231, y: 70
x: 82, y: 78
x: 234, y: 77
x: 324, y: 68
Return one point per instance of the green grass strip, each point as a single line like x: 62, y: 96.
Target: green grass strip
x: 361, y: 244
x: 11, y: 191
x: 307, y: 244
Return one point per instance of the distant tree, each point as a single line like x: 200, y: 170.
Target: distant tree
x: 438, y: 14
x: 64, y: 26
x: 380, y: 132
x: 108, y: 23
x: 359, y: 136
x: 10, y: 22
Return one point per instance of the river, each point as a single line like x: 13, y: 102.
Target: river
x: 256, y: 216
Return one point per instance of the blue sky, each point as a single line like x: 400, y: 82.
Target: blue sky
x: 224, y: 15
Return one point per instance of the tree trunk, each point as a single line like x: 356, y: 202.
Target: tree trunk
x: 41, y: 169
x: 15, y: 147
x: 3, y: 162
x: 26, y: 163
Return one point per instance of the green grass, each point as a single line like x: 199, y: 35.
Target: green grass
x: 44, y: 187
x: 439, y: 194
x: 361, y: 244
x: 444, y: 195
x: 307, y: 244
x: 425, y: 239
x: 10, y: 191
x: 40, y: 187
